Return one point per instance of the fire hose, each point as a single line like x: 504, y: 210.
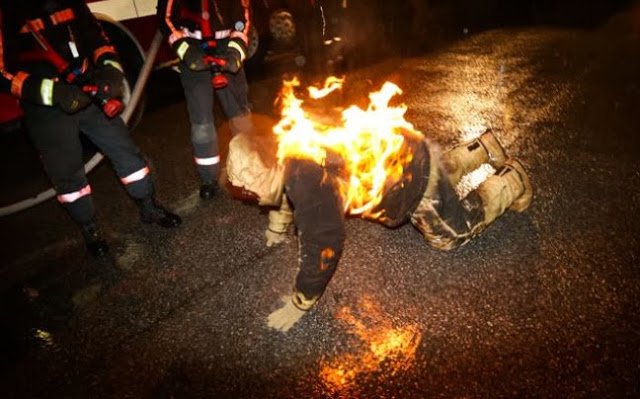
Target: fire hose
x: 138, y: 89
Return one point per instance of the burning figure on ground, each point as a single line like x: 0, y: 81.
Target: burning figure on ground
x: 373, y: 164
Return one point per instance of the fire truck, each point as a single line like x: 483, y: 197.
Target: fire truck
x: 132, y: 27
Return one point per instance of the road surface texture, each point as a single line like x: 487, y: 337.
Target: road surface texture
x: 544, y: 304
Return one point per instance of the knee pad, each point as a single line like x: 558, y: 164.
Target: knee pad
x: 202, y: 134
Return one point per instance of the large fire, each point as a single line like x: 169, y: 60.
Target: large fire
x: 383, y: 348
x: 369, y: 141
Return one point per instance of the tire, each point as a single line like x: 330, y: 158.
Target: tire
x: 282, y: 27
x: 257, y: 52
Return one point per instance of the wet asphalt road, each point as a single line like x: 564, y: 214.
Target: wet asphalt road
x: 543, y: 304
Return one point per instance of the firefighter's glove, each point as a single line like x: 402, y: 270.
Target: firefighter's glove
x: 275, y: 238
x: 69, y: 98
x: 285, y: 317
x: 235, y: 54
x: 109, y: 79
x: 191, y: 53
x: 233, y: 62
x: 279, y: 222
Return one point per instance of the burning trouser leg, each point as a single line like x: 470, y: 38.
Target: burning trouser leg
x: 447, y: 223
x: 204, y: 138
x: 467, y: 157
x: 319, y: 217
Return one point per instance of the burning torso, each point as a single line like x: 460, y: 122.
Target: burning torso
x: 375, y: 146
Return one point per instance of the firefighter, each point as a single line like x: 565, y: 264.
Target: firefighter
x: 425, y: 195
x: 37, y: 39
x: 210, y: 38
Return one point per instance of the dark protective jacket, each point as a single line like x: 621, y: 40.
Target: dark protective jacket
x: 402, y: 197
x: 224, y: 20
x: 68, y: 26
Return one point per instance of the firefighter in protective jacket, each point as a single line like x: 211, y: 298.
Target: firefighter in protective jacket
x: 210, y: 38
x: 425, y: 195
x: 55, y: 58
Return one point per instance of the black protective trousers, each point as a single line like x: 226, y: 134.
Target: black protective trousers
x: 319, y: 218
x: 198, y: 92
x: 56, y: 136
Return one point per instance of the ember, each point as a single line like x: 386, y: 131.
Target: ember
x: 368, y: 141
x: 383, y: 348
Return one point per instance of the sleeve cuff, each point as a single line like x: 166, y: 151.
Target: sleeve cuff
x: 38, y: 90
x: 17, y: 83
x: 101, y: 54
x: 239, y: 47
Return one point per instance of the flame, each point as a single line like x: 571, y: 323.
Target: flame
x: 368, y: 141
x: 383, y: 347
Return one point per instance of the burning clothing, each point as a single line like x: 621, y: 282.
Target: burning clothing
x: 377, y: 167
x: 423, y: 195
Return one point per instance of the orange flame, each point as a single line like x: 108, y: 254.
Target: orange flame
x: 383, y: 347
x: 368, y: 141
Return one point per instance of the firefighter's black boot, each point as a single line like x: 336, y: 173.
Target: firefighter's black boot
x: 208, y: 190
x: 96, y: 245
x: 152, y: 212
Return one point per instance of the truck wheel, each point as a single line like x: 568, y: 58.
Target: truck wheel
x: 257, y: 51
x: 282, y: 27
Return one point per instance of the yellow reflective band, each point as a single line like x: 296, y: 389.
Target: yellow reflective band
x: 182, y: 48
x: 46, y: 91
x: 238, y: 47
x: 114, y: 64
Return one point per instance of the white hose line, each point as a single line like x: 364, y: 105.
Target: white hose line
x: 143, y: 76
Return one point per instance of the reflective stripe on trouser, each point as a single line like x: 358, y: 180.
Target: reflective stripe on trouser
x: 138, y: 183
x: 205, y: 151
x: 199, y: 92
x: 319, y: 217
x: 56, y: 135
x: 79, y: 204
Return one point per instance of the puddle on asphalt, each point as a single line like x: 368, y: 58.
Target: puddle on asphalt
x: 131, y: 254
x: 187, y: 205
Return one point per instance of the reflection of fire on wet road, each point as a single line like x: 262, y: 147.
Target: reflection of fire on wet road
x: 383, y: 348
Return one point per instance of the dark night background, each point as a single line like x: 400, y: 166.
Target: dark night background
x: 545, y: 304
